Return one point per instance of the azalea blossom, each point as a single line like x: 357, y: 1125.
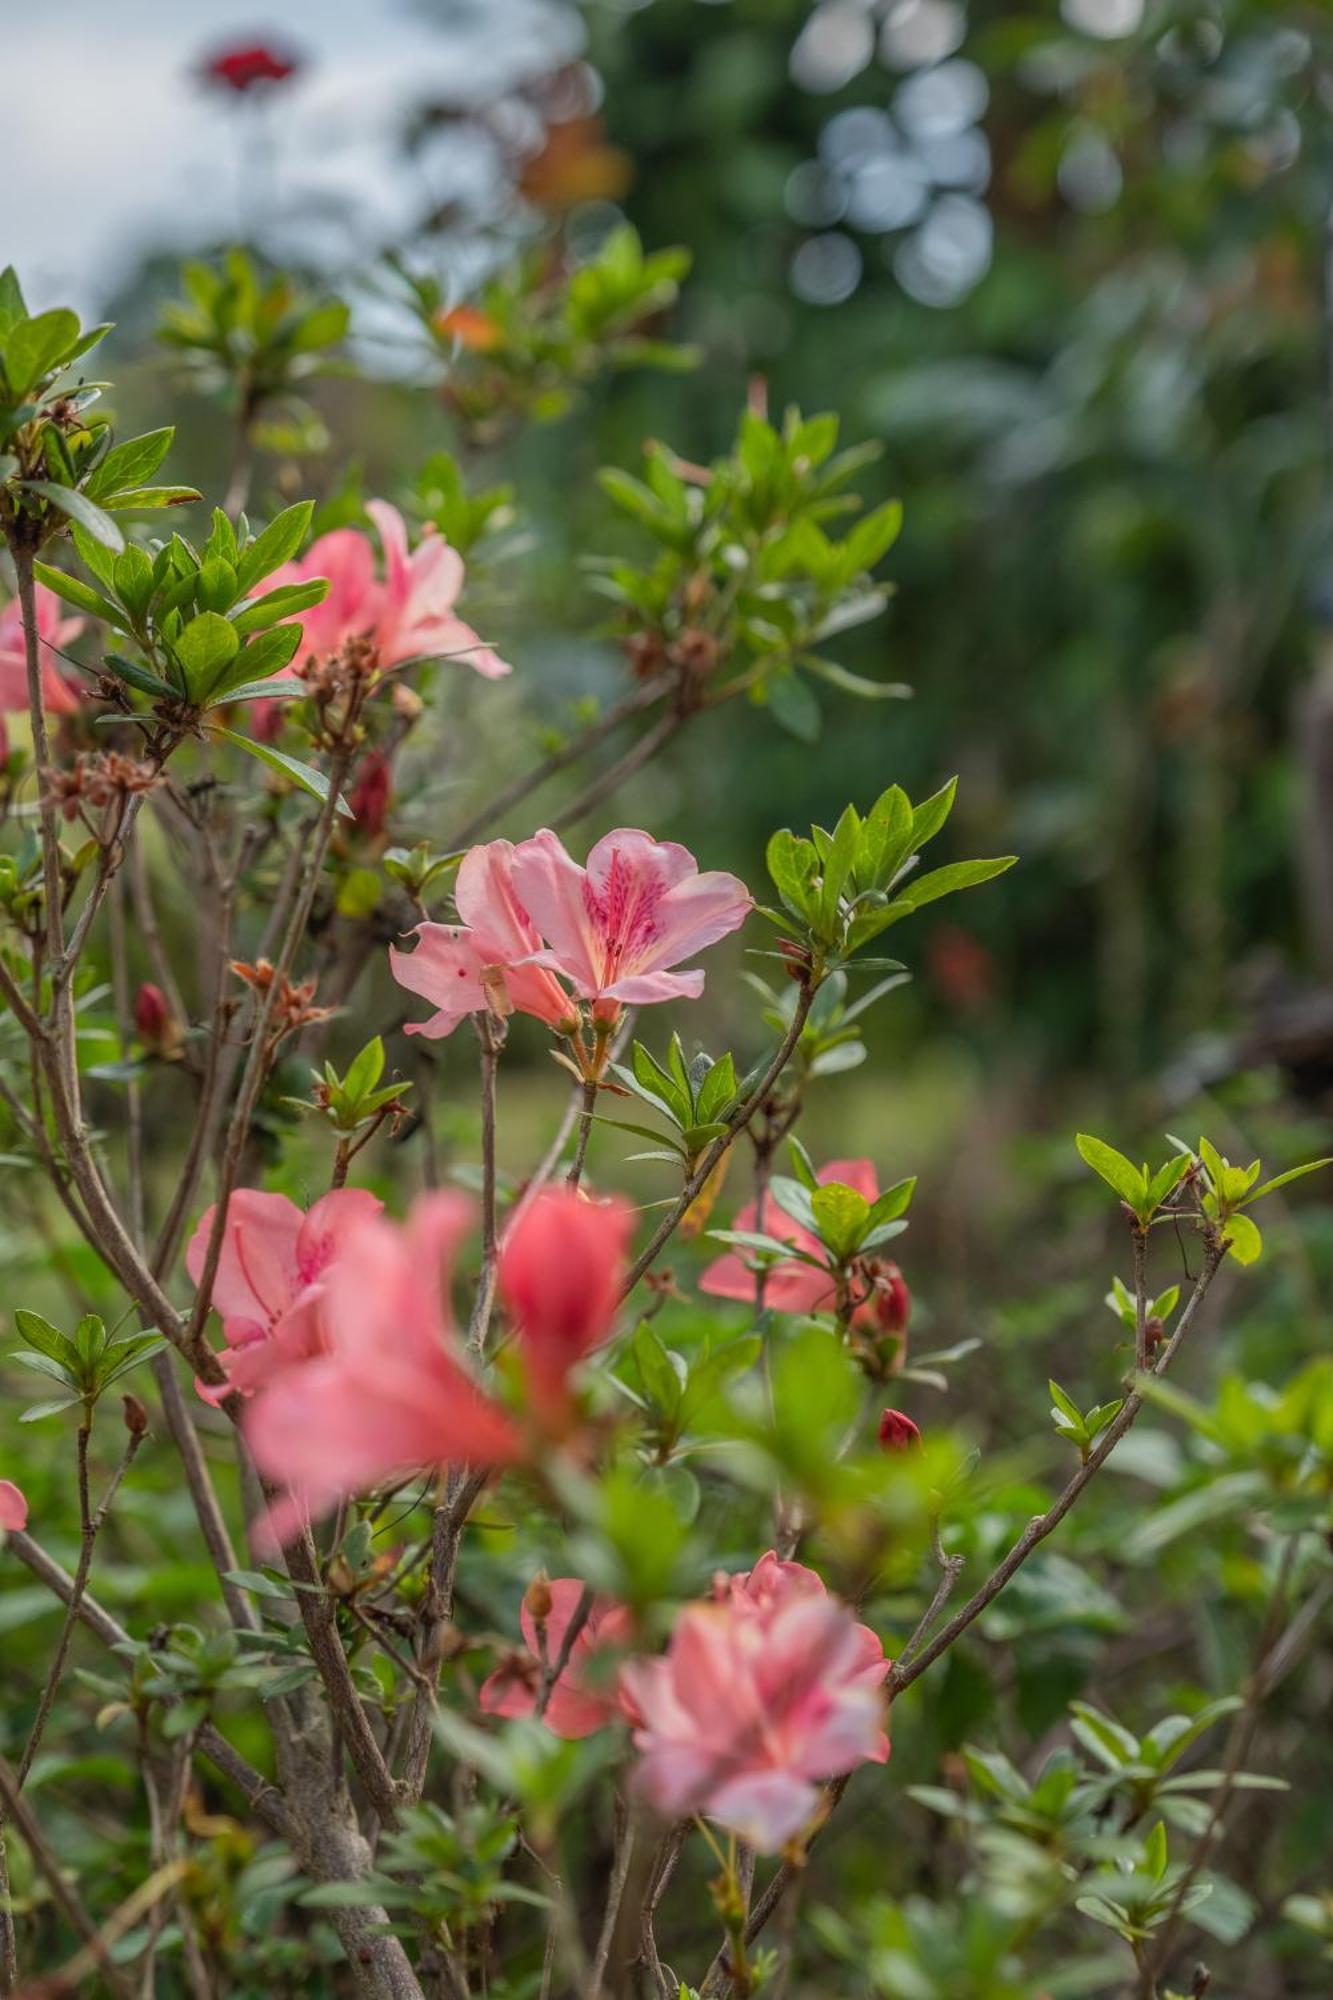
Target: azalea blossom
x: 55, y: 629
x: 562, y: 1270
x: 616, y: 928
x: 407, y: 613
x: 391, y: 1394
x: 581, y: 1698
x: 268, y: 1290
x: 487, y: 960
x: 13, y: 1506
x: 794, y: 1286
x: 763, y: 1693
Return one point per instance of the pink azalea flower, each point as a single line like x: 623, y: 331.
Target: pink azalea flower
x: 582, y: 1699
x: 763, y: 1591
x: 55, y: 628
x: 391, y: 1395
x: 562, y: 1269
x: 486, y: 961
x: 407, y: 614
x: 793, y: 1286
x: 616, y: 928
x: 13, y: 1506
x: 763, y: 1693
x: 268, y: 1290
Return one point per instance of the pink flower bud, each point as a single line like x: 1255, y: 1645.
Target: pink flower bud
x: 562, y: 1265
x: 897, y: 1432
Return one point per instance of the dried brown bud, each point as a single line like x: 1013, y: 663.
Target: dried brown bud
x: 135, y: 1415
x: 646, y: 654
x: 538, y: 1599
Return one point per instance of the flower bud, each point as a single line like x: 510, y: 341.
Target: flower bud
x: 897, y: 1432
x: 538, y: 1599
x: 370, y: 795
x: 892, y: 1300
x: 135, y: 1415
x: 155, y: 1024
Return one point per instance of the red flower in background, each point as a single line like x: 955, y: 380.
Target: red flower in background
x: 241, y: 66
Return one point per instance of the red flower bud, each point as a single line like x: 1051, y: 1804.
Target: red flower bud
x: 897, y: 1432
x: 890, y: 1300
x: 369, y: 796
x: 242, y: 67
x: 155, y: 1025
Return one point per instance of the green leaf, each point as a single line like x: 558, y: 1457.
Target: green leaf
x: 857, y: 684
x: 947, y: 881
x: 205, y: 649
x: 792, y: 863
x: 74, y: 591
x: 303, y: 775
x: 1243, y: 1239
x: 34, y: 346
x: 284, y: 602
x: 794, y: 706
x: 277, y: 544
x: 1283, y: 1180
x: 931, y: 814
x: 131, y: 463
x: 1113, y: 1167
x: 47, y: 1339
x: 149, y: 498
x: 842, y: 1217
x: 81, y: 509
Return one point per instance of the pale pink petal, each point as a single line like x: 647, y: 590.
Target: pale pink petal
x: 325, y: 1227
x: 445, y: 968
x: 488, y: 905
x: 765, y: 1809
x: 693, y: 915
x: 552, y: 889
x: 638, y: 856
x: 13, y: 1506
x: 257, y: 1274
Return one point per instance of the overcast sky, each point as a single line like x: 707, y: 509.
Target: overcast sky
x: 112, y: 148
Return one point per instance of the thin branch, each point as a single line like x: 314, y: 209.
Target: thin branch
x: 514, y: 793
x: 491, y: 1036
x: 1045, y: 1524
x: 587, y: 1111
x: 16, y: 1808
x: 738, y: 1119
x: 90, y: 1527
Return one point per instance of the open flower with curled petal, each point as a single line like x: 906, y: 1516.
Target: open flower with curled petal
x: 584, y: 1694
x: 405, y: 613
x: 763, y: 1693
x: 617, y: 929
x: 269, y: 1289
x: 391, y: 1394
x: 486, y: 961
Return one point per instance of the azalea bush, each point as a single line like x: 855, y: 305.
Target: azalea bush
x: 520, y: 1573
